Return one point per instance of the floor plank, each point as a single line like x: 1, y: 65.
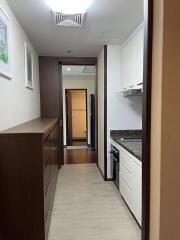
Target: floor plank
x: 87, y: 208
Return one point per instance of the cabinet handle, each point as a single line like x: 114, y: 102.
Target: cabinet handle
x: 140, y: 84
x: 131, y: 86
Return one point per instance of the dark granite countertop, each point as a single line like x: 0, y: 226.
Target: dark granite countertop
x: 133, y: 146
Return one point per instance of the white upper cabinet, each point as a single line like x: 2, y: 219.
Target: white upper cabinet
x: 139, y: 56
x: 132, y: 61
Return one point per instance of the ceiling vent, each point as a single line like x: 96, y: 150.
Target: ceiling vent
x: 69, y: 20
x: 89, y: 70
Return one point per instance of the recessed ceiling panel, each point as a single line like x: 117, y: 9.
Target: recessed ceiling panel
x: 79, y: 70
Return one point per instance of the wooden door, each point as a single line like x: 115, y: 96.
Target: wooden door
x: 69, y: 117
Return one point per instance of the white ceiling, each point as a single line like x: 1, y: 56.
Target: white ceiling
x: 107, y: 22
x: 79, y: 70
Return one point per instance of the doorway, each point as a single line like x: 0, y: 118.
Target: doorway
x: 76, y: 117
x: 79, y: 112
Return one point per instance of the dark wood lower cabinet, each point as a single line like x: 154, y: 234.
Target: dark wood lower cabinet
x: 28, y: 175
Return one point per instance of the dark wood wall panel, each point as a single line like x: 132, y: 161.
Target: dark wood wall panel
x: 51, y: 95
x: 78, y: 60
x: 49, y: 87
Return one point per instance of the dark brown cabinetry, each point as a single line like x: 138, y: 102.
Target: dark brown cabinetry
x: 28, y: 175
x: 51, y: 95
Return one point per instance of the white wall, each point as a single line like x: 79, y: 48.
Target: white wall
x: 122, y: 113
x: 101, y: 110
x: 17, y: 103
x: 78, y: 82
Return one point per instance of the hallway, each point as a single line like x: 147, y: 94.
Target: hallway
x: 79, y: 156
x: 87, y: 208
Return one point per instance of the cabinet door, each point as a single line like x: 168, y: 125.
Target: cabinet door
x: 132, y: 63
x: 126, y: 192
x: 137, y: 188
x: 125, y: 77
x: 139, y: 56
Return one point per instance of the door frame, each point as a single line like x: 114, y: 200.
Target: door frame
x: 146, y: 123
x: 83, y: 61
x: 146, y: 116
x: 87, y: 122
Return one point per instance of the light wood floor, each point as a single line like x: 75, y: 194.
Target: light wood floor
x: 87, y: 208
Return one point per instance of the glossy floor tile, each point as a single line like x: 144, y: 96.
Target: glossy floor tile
x: 87, y: 208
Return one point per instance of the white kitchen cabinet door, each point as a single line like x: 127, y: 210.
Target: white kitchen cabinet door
x: 137, y: 190
x: 125, y: 72
x: 132, y: 61
x: 139, y: 56
x: 130, y: 175
x: 127, y: 160
x: 126, y: 192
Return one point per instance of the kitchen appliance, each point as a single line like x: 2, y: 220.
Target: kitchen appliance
x: 115, y: 165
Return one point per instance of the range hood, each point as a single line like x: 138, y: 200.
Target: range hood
x: 133, y: 92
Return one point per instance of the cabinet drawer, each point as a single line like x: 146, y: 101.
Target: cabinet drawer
x: 126, y: 160
x: 126, y: 193
x: 47, y: 174
x: 47, y: 200
x: 46, y: 150
x: 126, y: 175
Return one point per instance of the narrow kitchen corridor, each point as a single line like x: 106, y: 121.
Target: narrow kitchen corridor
x: 87, y: 208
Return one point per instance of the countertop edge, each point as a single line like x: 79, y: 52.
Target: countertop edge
x: 127, y: 149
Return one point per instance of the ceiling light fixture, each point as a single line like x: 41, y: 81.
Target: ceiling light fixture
x: 69, y: 69
x: 69, y: 6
